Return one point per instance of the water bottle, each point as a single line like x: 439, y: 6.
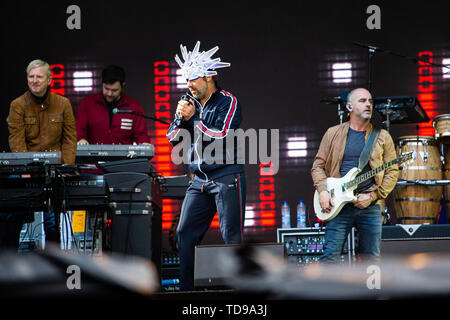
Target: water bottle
x: 301, y: 215
x: 285, y: 215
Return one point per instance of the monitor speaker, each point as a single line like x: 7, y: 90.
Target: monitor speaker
x: 131, y: 234
x: 415, y: 238
x: 207, y: 270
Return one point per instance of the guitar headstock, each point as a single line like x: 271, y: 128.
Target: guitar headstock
x: 406, y: 157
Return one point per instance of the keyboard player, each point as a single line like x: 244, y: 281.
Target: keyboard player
x: 38, y: 121
x: 111, y: 117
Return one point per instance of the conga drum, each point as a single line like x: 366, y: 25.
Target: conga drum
x: 417, y: 204
x: 441, y: 126
x: 447, y: 177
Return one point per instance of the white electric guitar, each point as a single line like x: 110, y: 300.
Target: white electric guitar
x: 342, y: 189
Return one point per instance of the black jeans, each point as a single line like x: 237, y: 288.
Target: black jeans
x: 225, y: 195
x: 11, y: 225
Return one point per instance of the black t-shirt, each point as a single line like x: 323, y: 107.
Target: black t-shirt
x: 111, y: 106
x: 353, y: 148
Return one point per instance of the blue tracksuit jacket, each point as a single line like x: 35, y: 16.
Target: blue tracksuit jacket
x: 220, y: 114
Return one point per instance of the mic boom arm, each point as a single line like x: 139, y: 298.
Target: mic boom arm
x: 117, y: 111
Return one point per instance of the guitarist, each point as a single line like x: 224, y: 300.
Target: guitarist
x: 339, y: 151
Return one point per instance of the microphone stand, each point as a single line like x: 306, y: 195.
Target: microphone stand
x: 413, y: 59
x: 373, y: 49
x: 387, y: 107
x: 339, y: 101
x: 369, y: 67
x: 340, y: 112
x: 154, y: 119
x: 141, y: 115
x: 370, y: 55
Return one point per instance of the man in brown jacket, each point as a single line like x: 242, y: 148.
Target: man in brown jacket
x: 339, y: 151
x: 38, y: 121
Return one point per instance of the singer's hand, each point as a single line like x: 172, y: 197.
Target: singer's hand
x: 82, y: 141
x: 186, y: 109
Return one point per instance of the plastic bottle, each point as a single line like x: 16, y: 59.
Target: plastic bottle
x: 301, y: 215
x: 285, y: 215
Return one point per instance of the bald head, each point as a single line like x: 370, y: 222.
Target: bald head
x: 356, y: 92
x: 360, y: 104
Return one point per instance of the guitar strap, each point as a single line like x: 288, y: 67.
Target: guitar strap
x: 368, y: 147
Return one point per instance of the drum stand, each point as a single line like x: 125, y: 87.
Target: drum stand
x: 341, y: 112
x: 442, y: 152
x: 387, y: 122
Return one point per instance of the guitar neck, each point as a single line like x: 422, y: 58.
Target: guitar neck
x: 370, y: 174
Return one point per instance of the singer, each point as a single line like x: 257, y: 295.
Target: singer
x: 216, y: 187
x: 111, y: 117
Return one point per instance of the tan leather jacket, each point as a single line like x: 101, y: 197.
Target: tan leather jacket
x: 331, y: 152
x: 49, y: 126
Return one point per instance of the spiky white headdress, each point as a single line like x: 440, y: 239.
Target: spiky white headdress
x: 199, y: 64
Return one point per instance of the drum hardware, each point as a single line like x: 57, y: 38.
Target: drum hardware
x: 414, y: 140
x: 399, y: 110
x: 424, y: 155
x: 436, y: 182
x: 414, y: 153
x: 437, y: 168
x: 386, y: 215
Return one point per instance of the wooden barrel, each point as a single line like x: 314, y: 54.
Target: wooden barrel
x: 417, y: 204
x: 441, y: 126
x: 447, y: 176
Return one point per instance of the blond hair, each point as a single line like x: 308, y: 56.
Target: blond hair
x: 39, y: 63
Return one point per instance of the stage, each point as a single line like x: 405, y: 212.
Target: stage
x: 287, y: 69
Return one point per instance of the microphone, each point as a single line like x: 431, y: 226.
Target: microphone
x: 332, y: 100
x: 363, y: 45
x: 341, y: 99
x: 116, y: 111
x: 179, y: 117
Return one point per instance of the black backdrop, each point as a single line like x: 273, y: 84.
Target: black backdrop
x: 278, y: 51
